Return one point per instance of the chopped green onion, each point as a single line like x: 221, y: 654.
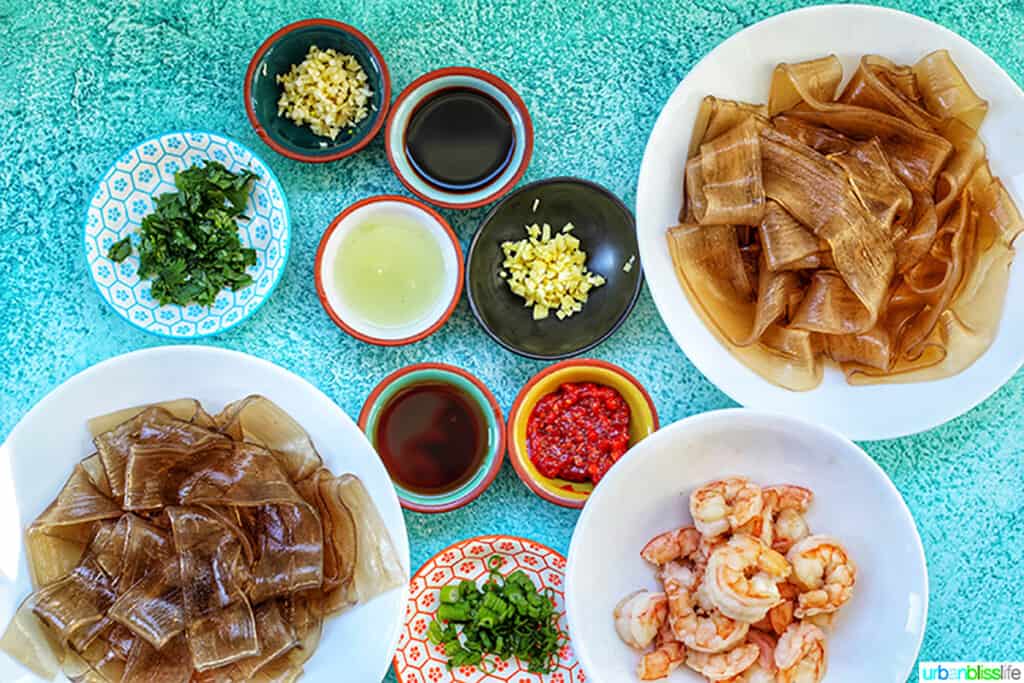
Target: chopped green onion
x: 505, y: 617
x: 450, y: 595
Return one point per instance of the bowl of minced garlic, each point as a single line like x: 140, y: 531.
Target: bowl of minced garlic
x: 317, y: 90
x: 549, y: 271
x: 327, y: 91
x: 552, y: 270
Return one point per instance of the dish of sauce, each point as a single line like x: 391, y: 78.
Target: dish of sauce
x: 389, y: 270
x: 578, y: 432
x: 431, y: 437
x: 459, y: 139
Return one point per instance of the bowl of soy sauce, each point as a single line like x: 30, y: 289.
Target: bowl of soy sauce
x: 439, y: 432
x: 459, y: 137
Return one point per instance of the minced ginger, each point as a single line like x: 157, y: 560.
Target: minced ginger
x: 549, y: 271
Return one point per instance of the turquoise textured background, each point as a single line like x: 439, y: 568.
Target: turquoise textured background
x: 81, y: 81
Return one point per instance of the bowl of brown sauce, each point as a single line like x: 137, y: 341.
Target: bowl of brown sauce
x: 459, y: 137
x: 439, y: 432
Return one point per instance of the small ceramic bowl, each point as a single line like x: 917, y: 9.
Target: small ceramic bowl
x: 643, y: 421
x: 470, y: 387
x: 326, y: 257
x: 607, y: 234
x: 459, y: 77
x: 124, y: 196
x: 418, y: 660
x: 288, y: 47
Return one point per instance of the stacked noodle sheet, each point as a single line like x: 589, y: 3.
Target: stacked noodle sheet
x: 191, y: 547
x: 862, y: 226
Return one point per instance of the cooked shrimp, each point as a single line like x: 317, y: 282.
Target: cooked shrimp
x: 638, y: 616
x: 762, y: 525
x: 825, y: 574
x: 671, y: 545
x: 723, y: 665
x: 777, y: 620
x: 823, y: 621
x: 789, y: 497
x: 763, y: 670
x: 780, y: 617
x: 667, y: 656
x: 766, y: 645
x: 801, y: 654
x: 788, y: 504
x: 789, y: 528
x: 700, y: 627
x: 742, y: 578
x: 725, y: 504
x: 707, y: 545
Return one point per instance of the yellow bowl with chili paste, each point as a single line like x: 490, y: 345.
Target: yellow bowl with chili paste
x: 643, y: 421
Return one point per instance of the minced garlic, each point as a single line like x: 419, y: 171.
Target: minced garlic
x: 329, y: 91
x: 549, y: 272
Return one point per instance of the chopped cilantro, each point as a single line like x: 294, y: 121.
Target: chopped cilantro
x: 189, y: 244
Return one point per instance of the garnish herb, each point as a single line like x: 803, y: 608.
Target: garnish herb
x: 120, y: 250
x: 189, y: 244
x: 506, y: 617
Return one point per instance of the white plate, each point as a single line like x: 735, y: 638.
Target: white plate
x: 877, y: 634
x: 741, y: 68
x: 43, y: 448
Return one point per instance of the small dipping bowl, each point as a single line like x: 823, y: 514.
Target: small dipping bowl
x: 468, y: 387
x: 289, y: 47
x: 422, y: 91
x: 607, y: 233
x: 643, y: 421
x: 408, y: 212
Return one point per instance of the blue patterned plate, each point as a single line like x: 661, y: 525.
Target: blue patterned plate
x: 125, y: 195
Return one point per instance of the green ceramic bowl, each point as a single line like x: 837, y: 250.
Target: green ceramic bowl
x: 470, y: 387
x: 607, y: 233
x: 289, y: 46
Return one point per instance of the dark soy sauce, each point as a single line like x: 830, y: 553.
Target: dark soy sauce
x: 431, y: 438
x: 459, y: 139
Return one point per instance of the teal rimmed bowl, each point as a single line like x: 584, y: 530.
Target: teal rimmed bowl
x: 470, y: 387
x: 288, y: 47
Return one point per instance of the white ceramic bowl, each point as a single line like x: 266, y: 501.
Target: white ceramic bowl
x: 357, y: 325
x: 877, y: 634
x: 44, y: 447
x: 741, y: 68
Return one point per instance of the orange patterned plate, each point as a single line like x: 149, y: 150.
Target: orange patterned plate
x: 418, y: 661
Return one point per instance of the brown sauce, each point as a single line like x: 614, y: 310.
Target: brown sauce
x: 431, y: 438
x: 459, y: 139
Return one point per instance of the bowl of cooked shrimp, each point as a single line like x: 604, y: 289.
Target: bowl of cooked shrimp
x: 746, y: 547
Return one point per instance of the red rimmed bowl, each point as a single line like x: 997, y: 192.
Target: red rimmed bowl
x: 289, y: 46
x: 469, y: 387
x: 643, y: 421
x: 341, y: 310
x: 422, y: 90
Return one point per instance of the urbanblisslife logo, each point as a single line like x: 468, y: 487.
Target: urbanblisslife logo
x: 971, y: 671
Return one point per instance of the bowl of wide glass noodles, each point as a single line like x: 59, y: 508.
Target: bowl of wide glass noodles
x: 843, y: 238
x: 199, y: 545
